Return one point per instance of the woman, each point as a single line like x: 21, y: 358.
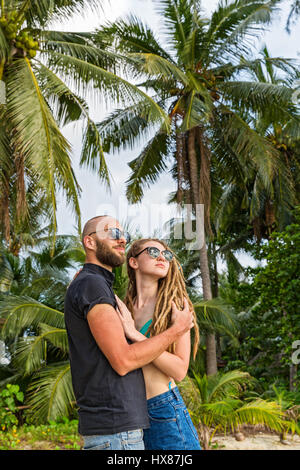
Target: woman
x: 155, y: 282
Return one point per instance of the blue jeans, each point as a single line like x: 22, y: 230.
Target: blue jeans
x: 127, y: 440
x: 171, y: 427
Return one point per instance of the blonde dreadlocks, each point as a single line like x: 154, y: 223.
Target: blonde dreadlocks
x: 172, y: 287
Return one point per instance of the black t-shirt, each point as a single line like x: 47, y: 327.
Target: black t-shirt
x: 108, y: 403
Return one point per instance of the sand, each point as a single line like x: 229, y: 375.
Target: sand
x: 259, y: 441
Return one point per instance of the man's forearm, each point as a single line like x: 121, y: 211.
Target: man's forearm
x: 146, y: 350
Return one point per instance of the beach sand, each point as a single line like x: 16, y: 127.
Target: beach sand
x: 259, y: 441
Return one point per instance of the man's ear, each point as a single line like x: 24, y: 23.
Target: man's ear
x: 89, y: 242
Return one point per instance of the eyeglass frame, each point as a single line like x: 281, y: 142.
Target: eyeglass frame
x: 160, y: 252
x: 122, y: 234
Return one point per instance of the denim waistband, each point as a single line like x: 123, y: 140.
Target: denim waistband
x: 165, y: 397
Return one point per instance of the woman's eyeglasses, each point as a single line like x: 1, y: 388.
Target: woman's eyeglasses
x: 155, y: 252
x: 115, y: 234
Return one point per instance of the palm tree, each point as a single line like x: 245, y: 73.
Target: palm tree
x: 47, y: 76
x: 294, y: 13
x: 195, y: 78
x: 32, y: 292
x: 32, y: 320
x: 215, y: 404
x: 244, y: 192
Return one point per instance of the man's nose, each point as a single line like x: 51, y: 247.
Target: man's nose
x: 122, y: 239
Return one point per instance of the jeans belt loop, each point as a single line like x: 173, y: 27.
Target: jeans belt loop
x: 175, y: 393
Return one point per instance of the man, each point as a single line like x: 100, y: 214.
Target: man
x: 106, y: 367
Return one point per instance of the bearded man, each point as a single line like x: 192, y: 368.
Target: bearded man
x: 106, y: 369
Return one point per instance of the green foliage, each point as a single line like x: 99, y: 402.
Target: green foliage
x: 218, y: 402
x: 10, y: 398
x: 56, y: 435
x: 268, y: 306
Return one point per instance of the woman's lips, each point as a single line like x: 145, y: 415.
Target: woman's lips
x: 160, y: 265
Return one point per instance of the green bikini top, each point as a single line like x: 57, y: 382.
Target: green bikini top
x: 144, y: 328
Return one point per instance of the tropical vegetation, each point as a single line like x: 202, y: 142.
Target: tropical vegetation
x: 209, y: 104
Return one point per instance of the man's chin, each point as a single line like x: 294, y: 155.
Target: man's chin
x: 122, y: 258
x: 117, y: 259
x: 110, y: 256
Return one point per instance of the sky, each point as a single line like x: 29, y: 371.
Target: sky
x: 151, y: 214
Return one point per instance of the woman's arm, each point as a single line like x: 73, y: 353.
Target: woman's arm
x: 174, y: 365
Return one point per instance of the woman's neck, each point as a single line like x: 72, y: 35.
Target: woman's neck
x: 146, y: 292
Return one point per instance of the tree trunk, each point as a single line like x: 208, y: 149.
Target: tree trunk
x: 211, y: 353
x: 204, y: 436
x: 293, y: 377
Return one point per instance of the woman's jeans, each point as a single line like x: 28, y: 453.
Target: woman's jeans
x: 127, y: 440
x: 171, y: 427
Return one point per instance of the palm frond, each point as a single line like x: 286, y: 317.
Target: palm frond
x: 163, y: 69
x: 113, y: 88
x: 92, y: 154
x: 148, y: 166
x: 21, y: 312
x: 65, y: 105
x: 261, y: 412
x: 56, y: 336
x: 197, y: 107
x: 230, y: 384
x: 253, y: 148
x: 55, y: 396
x: 129, y: 35
x: 267, y: 98
x: 40, y: 12
x: 36, y: 128
x: 215, y: 315
x: 179, y: 21
x: 4, y: 48
x: 126, y: 128
x: 232, y: 21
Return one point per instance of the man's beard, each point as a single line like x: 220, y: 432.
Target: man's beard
x: 108, y: 256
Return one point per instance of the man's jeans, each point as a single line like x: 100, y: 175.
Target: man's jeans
x: 127, y: 440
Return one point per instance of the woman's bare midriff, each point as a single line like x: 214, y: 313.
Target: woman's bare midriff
x: 156, y: 382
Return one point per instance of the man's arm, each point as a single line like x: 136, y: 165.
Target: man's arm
x: 107, y: 329
x: 174, y: 364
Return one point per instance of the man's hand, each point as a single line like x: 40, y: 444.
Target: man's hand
x: 127, y: 320
x: 182, y: 319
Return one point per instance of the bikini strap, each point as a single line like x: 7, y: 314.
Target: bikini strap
x: 144, y: 328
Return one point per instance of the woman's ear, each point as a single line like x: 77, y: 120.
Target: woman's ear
x: 133, y: 262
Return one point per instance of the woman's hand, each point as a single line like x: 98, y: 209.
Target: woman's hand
x: 182, y: 318
x: 76, y: 274
x: 127, y: 321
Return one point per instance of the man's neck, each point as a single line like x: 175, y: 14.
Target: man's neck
x: 95, y: 261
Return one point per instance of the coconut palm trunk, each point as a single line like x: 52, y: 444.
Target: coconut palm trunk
x: 197, y: 191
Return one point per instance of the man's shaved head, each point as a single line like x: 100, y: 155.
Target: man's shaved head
x: 91, y: 226
x: 98, y: 223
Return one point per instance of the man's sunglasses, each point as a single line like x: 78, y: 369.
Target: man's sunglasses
x: 155, y: 252
x: 115, y: 234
